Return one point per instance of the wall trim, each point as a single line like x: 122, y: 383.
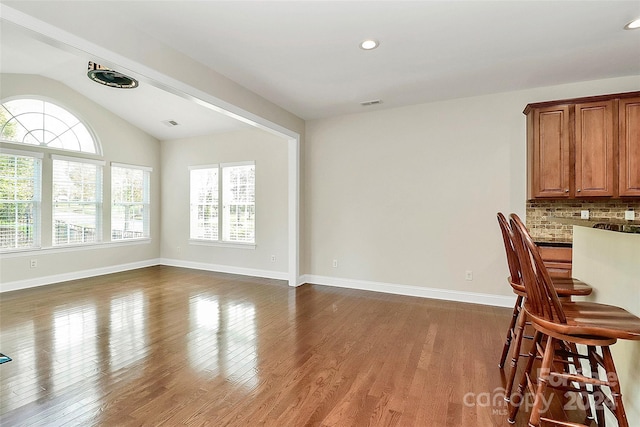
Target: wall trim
x: 83, y: 274
x: 75, y: 275
x: 243, y: 271
x: 414, y: 291
x: 364, y: 285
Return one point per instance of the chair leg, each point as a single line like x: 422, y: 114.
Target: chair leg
x: 614, y: 385
x: 543, y: 378
x: 510, y: 331
x: 515, y: 354
x: 584, y: 390
x: 518, y: 397
x: 597, y: 390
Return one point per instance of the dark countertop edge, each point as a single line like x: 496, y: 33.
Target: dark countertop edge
x: 551, y: 243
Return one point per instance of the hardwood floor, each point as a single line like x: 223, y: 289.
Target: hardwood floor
x: 170, y: 346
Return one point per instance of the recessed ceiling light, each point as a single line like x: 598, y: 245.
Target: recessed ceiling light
x: 369, y: 44
x: 633, y: 25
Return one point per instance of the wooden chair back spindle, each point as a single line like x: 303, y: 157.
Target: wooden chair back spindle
x: 512, y: 257
x: 542, y: 297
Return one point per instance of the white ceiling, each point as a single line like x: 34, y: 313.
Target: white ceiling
x: 146, y: 107
x: 304, y: 55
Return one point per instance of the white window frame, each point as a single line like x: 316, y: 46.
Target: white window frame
x: 36, y: 201
x: 98, y: 202
x: 220, y: 241
x: 146, y: 204
x: 49, y: 129
x: 46, y: 155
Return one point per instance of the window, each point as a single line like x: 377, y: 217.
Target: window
x: 38, y: 122
x: 223, y: 198
x: 204, y: 204
x: 129, y: 201
x: 239, y: 203
x: 20, y: 185
x: 77, y: 200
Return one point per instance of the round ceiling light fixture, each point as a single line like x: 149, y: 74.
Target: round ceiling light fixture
x: 369, y: 44
x: 633, y: 25
x: 108, y: 77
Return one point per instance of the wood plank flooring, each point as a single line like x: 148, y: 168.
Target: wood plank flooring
x: 165, y: 346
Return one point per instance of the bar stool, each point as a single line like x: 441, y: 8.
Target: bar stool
x: 596, y: 326
x: 565, y: 287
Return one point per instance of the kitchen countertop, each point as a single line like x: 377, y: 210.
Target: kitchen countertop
x: 601, y: 223
x: 621, y: 226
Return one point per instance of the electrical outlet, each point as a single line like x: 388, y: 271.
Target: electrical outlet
x: 273, y: 258
x: 335, y: 263
x: 629, y: 215
x: 33, y: 263
x: 584, y: 214
x: 468, y: 275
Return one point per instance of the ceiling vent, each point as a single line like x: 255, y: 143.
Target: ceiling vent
x: 107, y: 77
x: 372, y: 102
x: 170, y: 123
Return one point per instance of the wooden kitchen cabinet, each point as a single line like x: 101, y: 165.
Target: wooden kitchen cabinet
x: 594, y: 162
x: 629, y: 147
x: 584, y: 147
x: 548, y: 134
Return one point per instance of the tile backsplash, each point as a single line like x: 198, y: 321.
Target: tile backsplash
x: 541, y: 227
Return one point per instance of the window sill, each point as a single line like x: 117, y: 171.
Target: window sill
x: 73, y: 248
x: 234, y: 245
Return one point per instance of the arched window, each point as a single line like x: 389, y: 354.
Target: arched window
x: 39, y: 122
x: 76, y: 182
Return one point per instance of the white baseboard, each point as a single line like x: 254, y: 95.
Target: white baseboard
x: 414, y: 291
x: 74, y: 275
x: 254, y: 272
x: 390, y: 288
x: 83, y: 274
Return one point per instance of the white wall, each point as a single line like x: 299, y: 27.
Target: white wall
x: 270, y: 155
x: 405, y: 199
x: 121, y: 142
x: 402, y: 197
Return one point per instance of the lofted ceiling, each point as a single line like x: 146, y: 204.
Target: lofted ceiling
x: 304, y: 55
x: 147, y: 107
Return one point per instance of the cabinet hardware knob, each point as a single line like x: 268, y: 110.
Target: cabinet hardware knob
x: 579, y: 190
x: 566, y: 190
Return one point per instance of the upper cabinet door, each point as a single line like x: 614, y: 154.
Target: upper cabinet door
x: 549, y: 163
x: 594, y: 149
x: 584, y: 148
x: 629, y: 147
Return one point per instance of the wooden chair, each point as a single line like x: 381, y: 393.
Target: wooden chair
x: 565, y: 287
x: 596, y: 326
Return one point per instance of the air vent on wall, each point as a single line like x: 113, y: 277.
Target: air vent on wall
x: 111, y: 78
x: 372, y: 102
